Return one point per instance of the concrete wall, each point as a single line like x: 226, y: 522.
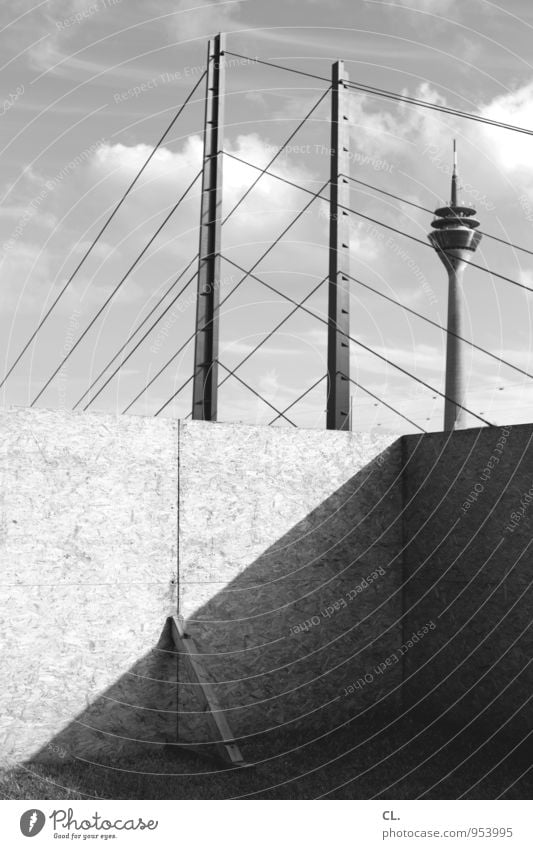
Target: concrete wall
x: 468, y: 566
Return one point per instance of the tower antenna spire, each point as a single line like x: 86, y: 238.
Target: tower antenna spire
x: 454, y: 175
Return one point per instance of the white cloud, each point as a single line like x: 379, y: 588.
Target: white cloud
x: 166, y: 178
x: 260, y: 212
x: 363, y: 245
x: 170, y: 172
x: 512, y: 150
x: 240, y: 347
x: 197, y: 19
x: 120, y: 163
x: 77, y: 206
x: 495, y: 165
x: 526, y: 278
x: 382, y: 131
x: 437, y: 6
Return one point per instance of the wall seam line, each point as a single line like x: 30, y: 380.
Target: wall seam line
x: 178, y: 493
x: 403, y: 442
x: 178, y: 470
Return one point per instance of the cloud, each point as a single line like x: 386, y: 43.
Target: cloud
x: 197, y: 19
x: 69, y: 213
x: 120, y: 163
x: 260, y: 212
x: 365, y: 245
x: 24, y: 275
x: 413, y: 145
x: 57, y: 24
x: 526, y: 278
x: 75, y: 38
x: 52, y: 224
x: 438, y: 7
x: 413, y: 358
x: 362, y: 244
x: 380, y: 132
x: 169, y: 172
x: 512, y: 150
x: 240, y: 347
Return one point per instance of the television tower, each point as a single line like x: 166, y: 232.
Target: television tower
x: 454, y: 237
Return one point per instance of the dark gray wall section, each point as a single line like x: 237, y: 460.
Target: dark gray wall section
x: 468, y: 566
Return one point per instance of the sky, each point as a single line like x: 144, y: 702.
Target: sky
x: 89, y: 87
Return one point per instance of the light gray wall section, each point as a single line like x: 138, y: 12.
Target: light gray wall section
x: 88, y: 574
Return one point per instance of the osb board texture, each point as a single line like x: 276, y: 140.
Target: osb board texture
x: 89, y: 566
x: 277, y: 526
x: 470, y: 570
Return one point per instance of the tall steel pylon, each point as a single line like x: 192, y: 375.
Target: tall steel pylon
x: 338, y: 385
x: 205, y: 380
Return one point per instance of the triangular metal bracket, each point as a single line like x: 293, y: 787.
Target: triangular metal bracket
x: 225, y: 744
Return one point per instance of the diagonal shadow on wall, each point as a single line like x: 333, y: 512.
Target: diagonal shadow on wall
x: 284, y: 638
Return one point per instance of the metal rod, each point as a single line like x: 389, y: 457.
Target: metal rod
x: 338, y: 387
x: 204, y: 400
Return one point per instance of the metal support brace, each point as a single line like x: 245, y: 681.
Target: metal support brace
x: 338, y: 398
x: 224, y: 741
x: 204, y: 402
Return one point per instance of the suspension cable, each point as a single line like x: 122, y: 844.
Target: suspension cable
x: 299, y: 398
x: 280, y: 150
x: 257, y: 394
x: 362, y: 345
x: 432, y: 212
x: 386, y: 226
x: 281, y: 67
x: 239, y: 283
x: 140, y: 341
x: 228, y: 216
x: 447, y: 110
x: 183, y: 385
x: 99, y: 234
x: 134, y: 332
x: 391, y: 95
x: 438, y: 326
x: 115, y: 290
x: 385, y: 404
x: 275, y: 329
